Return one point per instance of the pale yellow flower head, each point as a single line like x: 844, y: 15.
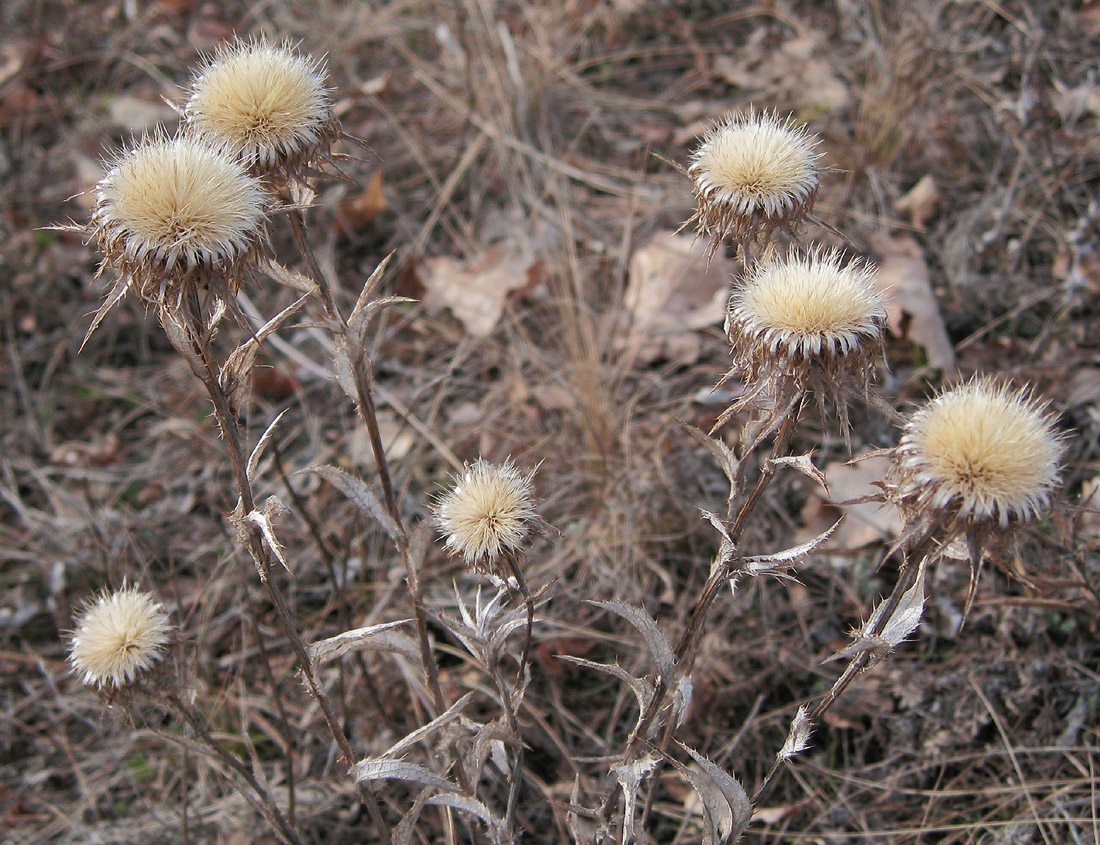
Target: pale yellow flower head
x: 487, y: 514
x: 118, y: 636
x: 752, y: 173
x: 266, y: 103
x: 982, y: 451
x: 174, y: 210
x: 807, y: 305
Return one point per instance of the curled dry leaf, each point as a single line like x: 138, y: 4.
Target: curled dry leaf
x: 475, y: 291
x: 670, y: 294
x: 654, y: 637
x: 850, y: 483
x: 381, y: 637
x: 727, y: 810
x: 904, y: 279
x: 798, y: 737
x: 360, y: 495
x: 630, y: 777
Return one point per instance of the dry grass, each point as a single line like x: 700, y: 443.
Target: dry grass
x: 547, y: 125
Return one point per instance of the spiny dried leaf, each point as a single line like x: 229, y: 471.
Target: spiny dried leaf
x: 798, y: 737
x: 381, y: 637
x: 630, y: 776
x: 721, y: 453
x: 448, y: 715
x: 727, y: 551
x: 681, y: 699
x: 498, y: 830
x: 765, y: 564
x: 261, y: 445
x: 361, y: 313
x: 654, y: 637
x: 734, y: 794
x: 237, y: 369
x: 182, y: 340
x: 373, y: 768
x: 118, y: 290
x: 804, y: 465
x: 643, y: 690
x: 263, y: 520
x: 405, y: 832
x: 360, y: 495
x: 289, y: 278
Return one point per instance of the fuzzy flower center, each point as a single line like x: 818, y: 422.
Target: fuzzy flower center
x: 182, y: 201
x: 118, y: 636
x: 265, y: 101
x: 988, y: 446
x: 811, y: 299
x: 487, y: 513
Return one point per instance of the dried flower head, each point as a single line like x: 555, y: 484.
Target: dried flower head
x: 805, y: 321
x: 176, y: 213
x: 980, y: 453
x: 487, y: 514
x: 751, y: 174
x: 118, y: 636
x: 267, y: 103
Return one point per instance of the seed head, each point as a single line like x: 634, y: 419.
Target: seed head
x: 804, y: 321
x: 118, y: 636
x: 753, y: 173
x: 981, y: 452
x: 266, y: 103
x: 177, y: 212
x: 488, y: 513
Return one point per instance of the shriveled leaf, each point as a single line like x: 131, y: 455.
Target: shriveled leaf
x: 383, y: 637
x: 498, y: 830
x: 758, y: 564
x: 447, y: 716
x: 920, y: 202
x: 118, y: 290
x: 475, y: 291
x: 361, y: 313
x: 804, y: 465
x: 360, y: 495
x: 740, y: 808
x: 235, y: 372
x: 262, y: 520
x: 373, y: 768
x: 798, y: 736
x: 182, y: 340
x: 654, y: 637
x: 289, y: 278
x: 261, y: 445
x: 630, y: 777
x: 906, y: 616
x: 406, y: 832
x: 681, y: 699
x: 642, y: 689
x: 721, y: 453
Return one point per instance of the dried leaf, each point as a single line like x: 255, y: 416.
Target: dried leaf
x: 447, y: 716
x: 360, y: 495
x: 805, y: 465
x: 372, y: 768
x: 654, y: 637
x: 721, y: 453
x: 681, y: 700
x: 798, y: 737
x: 360, y: 211
x: 792, y: 554
x: 920, y: 202
x: 261, y: 445
x: 904, y: 279
x: 670, y: 294
x: 289, y: 278
x: 475, y: 291
x: 906, y: 615
x: 498, y: 830
x: 235, y: 374
x: 642, y: 689
x: 380, y: 637
x: 740, y: 808
x: 630, y: 776
x: 262, y: 520
x: 866, y: 521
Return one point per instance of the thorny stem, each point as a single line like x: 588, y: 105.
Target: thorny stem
x: 368, y: 413
x: 517, y: 776
x: 230, y: 431
x: 686, y: 645
x: 267, y: 804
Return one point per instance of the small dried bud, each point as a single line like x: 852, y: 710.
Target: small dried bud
x: 980, y: 453
x: 802, y: 321
x: 753, y: 173
x: 118, y: 636
x: 266, y: 103
x: 489, y: 513
x: 175, y: 213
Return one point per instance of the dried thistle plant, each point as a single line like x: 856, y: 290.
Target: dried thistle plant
x: 753, y: 173
x: 267, y: 103
x: 119, y: 636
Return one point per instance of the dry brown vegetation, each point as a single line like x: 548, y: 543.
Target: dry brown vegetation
x: 524, y: 151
